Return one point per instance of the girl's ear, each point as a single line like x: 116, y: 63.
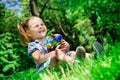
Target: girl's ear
x: 28, y: 33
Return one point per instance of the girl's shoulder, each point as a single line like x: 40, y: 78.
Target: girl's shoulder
x: 33, y: 43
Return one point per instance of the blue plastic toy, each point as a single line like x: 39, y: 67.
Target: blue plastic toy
x: 54, y: 41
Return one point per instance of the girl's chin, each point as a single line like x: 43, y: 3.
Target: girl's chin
x: 42, y: 35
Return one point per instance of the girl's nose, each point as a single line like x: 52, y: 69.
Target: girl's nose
x: 40, y: 26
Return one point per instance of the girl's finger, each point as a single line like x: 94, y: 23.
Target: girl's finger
x: 57, y: 47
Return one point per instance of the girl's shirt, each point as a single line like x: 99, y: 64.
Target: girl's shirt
x: 39, y: 45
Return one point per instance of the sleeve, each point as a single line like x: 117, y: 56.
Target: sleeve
x: 32, y: 47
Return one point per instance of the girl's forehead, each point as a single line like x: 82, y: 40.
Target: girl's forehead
x: 35, y: 20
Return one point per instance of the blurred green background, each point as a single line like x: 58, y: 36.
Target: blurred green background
x: 81, y: 22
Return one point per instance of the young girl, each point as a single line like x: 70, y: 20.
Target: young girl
x: 33, y: 33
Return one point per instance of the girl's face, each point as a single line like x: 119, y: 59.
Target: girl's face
x: 36, y: 29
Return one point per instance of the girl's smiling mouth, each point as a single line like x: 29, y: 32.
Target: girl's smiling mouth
x: 42, y: 30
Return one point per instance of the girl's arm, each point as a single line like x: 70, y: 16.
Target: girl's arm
x: 62, y: 56
x: 40, y: 58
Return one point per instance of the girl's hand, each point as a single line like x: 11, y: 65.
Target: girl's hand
x: 64, y: 46
x: 58, y: 50
x: 59, y: 53
x: 58, y: 47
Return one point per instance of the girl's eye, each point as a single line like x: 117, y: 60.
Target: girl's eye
x: 42, y: 24
x: 37, y: 26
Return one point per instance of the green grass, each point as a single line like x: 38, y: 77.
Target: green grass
x: 103, y: 68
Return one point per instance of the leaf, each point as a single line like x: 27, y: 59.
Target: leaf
x: 3, y: 59
x: 8, y: 67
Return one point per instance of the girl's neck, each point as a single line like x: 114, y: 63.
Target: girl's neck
x: 42, y: 39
